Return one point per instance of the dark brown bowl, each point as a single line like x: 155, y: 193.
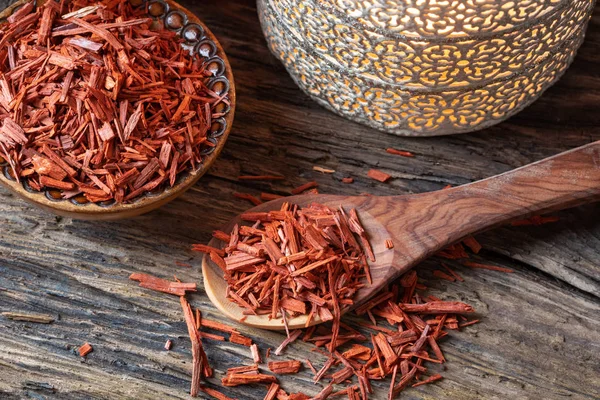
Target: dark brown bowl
x: 201, y: 40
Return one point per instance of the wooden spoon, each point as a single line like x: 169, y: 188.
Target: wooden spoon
x: 421, y: 225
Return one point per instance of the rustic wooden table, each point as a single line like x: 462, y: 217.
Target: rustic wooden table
x: 540, y: 331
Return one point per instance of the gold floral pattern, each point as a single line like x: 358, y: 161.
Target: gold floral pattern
x: 443, y: 18
x: 421, y: 62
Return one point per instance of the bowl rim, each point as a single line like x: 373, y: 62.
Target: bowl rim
x: 145, y: 203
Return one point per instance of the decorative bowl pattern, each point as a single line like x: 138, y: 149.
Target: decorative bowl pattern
x: 425, y: 68
x: 199, y: 41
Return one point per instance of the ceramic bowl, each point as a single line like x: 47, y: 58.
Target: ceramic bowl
x: 199, y: 39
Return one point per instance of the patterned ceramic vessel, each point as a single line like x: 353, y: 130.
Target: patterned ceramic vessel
x: 425, y: 67
x: 200, y: 42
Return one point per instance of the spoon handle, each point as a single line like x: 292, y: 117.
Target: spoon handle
x: 437, y: 219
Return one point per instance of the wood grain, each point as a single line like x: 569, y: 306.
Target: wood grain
x: 539, y: 337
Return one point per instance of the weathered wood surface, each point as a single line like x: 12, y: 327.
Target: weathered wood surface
x: 539, y: 337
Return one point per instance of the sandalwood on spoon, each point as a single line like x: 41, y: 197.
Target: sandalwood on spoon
x: 297, y: 261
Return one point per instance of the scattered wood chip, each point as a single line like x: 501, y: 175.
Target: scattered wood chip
x: 214, y: 393
x: 272, y: 392
x: 431, y: 379
x: 453, y: 273
x: 200, y: 366
x: 472, y: 243
x: 454, y: 252
x: 218, y: 326
x: 247, y: 379
x: 163, y: 285
x: 247, y: 196
x: 486, y: 266
x: 305, y: 187
x: 202, y: 248
x: 255, y: 353
x: 378, y: 175
x: 323, y: 170
x: 290, y: 339
x: 402, y: 153
x: 443, y: 275
x: 437, y: 307
x: 212, y: 336
x: 240, y: 339
x: 243, y: 369
x: 85, y: 349
x: 285, y: 367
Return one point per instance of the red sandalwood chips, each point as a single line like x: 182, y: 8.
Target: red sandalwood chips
x: 98, y: 104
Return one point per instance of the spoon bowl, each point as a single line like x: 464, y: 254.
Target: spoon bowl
x: 216, y: 286
x: 423, y: 224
